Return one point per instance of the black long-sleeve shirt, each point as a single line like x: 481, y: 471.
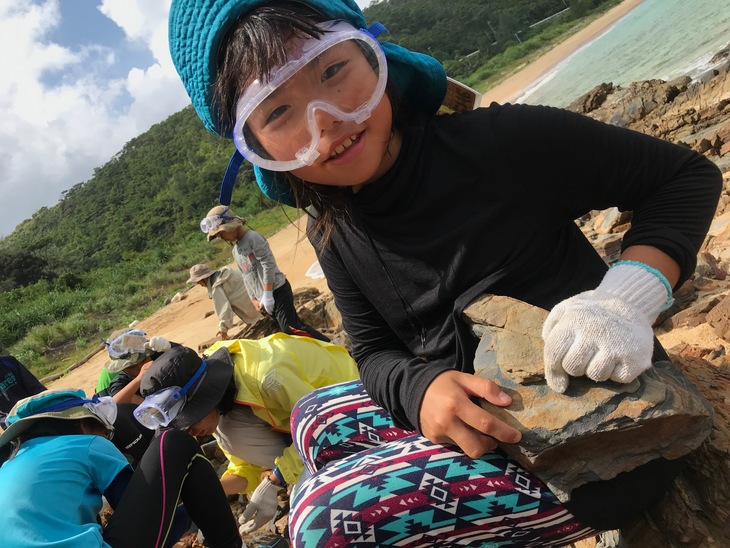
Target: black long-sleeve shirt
x: 485, y: 201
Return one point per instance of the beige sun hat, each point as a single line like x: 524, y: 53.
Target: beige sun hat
x: 232, y: 221
x: 200, y: 272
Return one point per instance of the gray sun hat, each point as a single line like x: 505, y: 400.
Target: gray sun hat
x: 176, y: 367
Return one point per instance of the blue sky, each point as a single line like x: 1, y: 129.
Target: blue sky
x: 80, y: 78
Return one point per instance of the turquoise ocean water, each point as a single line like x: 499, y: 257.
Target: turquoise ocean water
x: 658, y: 39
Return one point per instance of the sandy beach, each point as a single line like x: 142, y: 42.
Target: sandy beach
x: 511, y: 88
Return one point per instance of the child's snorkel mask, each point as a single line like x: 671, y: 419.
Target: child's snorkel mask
x: 196, y: 30
x: 339, y: 76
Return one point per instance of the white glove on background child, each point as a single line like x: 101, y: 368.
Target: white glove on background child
x: 158, y: 344
x: 267, y: 301
x: 606, y: 333
x: 261, y: 507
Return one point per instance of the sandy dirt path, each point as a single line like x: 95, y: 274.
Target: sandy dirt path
x: 185, y: 322
x: 512, y: 87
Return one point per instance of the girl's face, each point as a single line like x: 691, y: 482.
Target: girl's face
x: 304, y: 107
x: 230, y: 236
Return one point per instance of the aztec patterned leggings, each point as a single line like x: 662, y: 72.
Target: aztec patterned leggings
x: 374, y: 484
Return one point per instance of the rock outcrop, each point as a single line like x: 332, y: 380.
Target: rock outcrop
x: 594, y: 431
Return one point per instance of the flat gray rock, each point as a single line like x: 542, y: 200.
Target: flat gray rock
x: 595, y: 430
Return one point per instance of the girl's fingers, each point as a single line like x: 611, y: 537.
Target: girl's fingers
x: 484, y: 422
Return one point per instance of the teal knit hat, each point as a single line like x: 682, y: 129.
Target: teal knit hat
x: 196, y: 28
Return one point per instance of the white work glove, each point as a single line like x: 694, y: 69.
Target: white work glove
x: 267, y: 301
x: 158, y: 344
x: 261, y: 507
x: 606, y: 333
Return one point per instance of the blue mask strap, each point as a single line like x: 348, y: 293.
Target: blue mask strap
x: 376, y: 29
x: 68, y: 404
x: 191, y: 382
x: 229, y: 179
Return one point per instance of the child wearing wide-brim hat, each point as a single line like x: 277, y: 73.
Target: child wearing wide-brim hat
x: 242, y: 391
x: 267, y: 286
x: 227, y: 289
x: 62, y: 463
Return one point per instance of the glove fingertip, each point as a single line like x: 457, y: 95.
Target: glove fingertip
x: 557, y: 380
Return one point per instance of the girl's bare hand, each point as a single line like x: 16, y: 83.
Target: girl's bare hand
x: 448, y: 416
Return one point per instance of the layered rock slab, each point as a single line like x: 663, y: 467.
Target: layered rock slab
x: 595, y: 430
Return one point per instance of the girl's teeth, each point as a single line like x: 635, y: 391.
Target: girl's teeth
x: 347, y: 143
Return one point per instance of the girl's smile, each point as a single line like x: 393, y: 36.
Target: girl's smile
x: 345, y: 145
x: 348, y: 161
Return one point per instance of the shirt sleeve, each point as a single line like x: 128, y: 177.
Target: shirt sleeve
x: 30, y: 383
x: 118, y: 382
x: 263, y: 254
x: 105, y: 462
x: 575, y: 164
x: 238, y: 467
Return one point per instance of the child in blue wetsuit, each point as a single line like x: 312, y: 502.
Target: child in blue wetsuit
x: 61, y: 462
x: 412, y: 216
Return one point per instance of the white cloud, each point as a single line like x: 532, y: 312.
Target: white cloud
x: 52, y: 136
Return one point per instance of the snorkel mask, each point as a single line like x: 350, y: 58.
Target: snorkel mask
x: 160, y: 409
x: 340, y: 75
x: 126, y: 344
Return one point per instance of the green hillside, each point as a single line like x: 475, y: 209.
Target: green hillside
x: 475, y: 39
x: 116, y: 246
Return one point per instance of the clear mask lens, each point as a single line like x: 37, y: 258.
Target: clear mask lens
x: 214, y: 221
x: 126, y: 344
x: 105, y: 409
x: 340, y: 76
x: 158, y: 410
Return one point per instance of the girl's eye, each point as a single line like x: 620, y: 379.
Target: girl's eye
x: 276, y: 113
x: 332, y: 70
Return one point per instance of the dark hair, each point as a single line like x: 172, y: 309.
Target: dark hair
x: 254, y: 45
x: 228, y: 399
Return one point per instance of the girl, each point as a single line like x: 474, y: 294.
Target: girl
x: 414, y: 215
x: 66, y: 436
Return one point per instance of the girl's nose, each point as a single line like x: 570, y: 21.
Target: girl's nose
x: 325, y: 120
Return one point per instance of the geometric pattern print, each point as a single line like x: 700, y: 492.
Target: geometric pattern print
x: 411, y: 492
x: 340, y: 420
x: 377, y: 485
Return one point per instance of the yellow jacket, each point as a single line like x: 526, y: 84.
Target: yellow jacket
x: 271, y: 375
